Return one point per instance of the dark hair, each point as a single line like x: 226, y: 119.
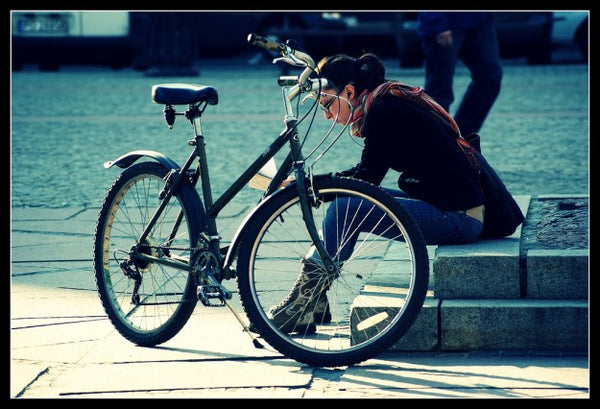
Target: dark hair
x: 366, y: 72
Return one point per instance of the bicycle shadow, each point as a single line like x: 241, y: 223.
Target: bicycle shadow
x: 269, y: 355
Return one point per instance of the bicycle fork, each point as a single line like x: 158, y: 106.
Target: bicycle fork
x: 308, y: 200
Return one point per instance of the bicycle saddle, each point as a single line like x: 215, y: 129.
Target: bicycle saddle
x: 183, y: 94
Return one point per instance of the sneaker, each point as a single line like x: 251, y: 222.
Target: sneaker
x: 305, y: 304
x: 322, y: 314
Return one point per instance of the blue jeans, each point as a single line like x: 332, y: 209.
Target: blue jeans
x: 437, y: 226
x: 478, y: 49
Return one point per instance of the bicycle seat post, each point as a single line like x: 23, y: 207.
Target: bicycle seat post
x: 194, y: 114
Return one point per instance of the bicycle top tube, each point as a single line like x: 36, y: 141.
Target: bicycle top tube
x: 213, y: 210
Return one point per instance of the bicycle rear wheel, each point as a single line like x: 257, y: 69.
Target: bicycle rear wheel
x: 148, y: 303
x: 371, y: 301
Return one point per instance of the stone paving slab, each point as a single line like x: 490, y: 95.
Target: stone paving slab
x: 162, y: 376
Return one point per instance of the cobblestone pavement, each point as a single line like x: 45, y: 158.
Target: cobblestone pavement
x: 66, y: 124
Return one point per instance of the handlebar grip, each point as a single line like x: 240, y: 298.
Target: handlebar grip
x: 287, y: 80
x: 266, y: 43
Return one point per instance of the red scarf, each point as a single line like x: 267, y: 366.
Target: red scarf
x: 415, y: 94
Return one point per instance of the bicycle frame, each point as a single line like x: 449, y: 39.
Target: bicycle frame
x: 294, y: 160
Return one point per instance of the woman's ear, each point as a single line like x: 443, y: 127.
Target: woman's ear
x: 349, y: 91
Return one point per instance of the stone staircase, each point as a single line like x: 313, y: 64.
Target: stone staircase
x: 494, y: 295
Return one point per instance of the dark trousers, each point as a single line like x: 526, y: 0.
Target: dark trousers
x: 478, y: 50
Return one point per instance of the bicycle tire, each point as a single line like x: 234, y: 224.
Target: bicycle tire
x: 373, y: 301
x: 167, y: 295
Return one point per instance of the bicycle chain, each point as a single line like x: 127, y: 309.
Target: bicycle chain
x: 172, y: 248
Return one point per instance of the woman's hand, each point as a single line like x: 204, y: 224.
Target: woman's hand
x: 444, y: 38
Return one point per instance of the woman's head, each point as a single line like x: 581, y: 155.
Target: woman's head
x: 348, y: 77
x: 365, y: 72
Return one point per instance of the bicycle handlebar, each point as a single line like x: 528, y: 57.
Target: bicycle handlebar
x: 266, y: 43
x: 287, y: 80
x: 290, y: 55
x: 295, y: 84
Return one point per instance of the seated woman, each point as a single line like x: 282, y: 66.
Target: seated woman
x: 404, y: 130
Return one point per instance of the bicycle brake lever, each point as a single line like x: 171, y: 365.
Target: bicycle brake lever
x: 291, y: 60
x: 308, y: 96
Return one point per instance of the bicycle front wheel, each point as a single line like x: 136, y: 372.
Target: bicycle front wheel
x: 147, y: 302
x: 333, y: 318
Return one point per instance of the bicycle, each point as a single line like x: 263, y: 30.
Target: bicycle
x: 157, y: 249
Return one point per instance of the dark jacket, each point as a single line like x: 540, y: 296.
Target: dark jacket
x: 431, y: 24
x: 401, y: 136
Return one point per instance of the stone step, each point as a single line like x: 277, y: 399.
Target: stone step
x: 486, y: 324
x: 484, y: 269
x: 494, y: 269
x: 557, y: 274
x: 493, y: 295
x: 502, y: 269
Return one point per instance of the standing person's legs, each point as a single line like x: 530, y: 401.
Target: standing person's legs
x: 440, y: 63
x: 481, y: 55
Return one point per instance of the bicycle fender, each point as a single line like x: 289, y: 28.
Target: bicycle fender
x: 235, y: 241
x: 126, y: 160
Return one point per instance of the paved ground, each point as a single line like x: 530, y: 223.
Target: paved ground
x: 62, y: 344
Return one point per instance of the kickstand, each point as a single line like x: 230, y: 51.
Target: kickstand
x: 253, y: 337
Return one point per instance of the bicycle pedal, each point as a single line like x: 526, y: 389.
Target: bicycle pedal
x: 210, y: 296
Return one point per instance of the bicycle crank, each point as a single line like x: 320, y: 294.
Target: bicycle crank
x: 211, y: 295
x: 209, y: 291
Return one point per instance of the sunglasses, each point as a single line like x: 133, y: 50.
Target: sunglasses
x: 326, y: 105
